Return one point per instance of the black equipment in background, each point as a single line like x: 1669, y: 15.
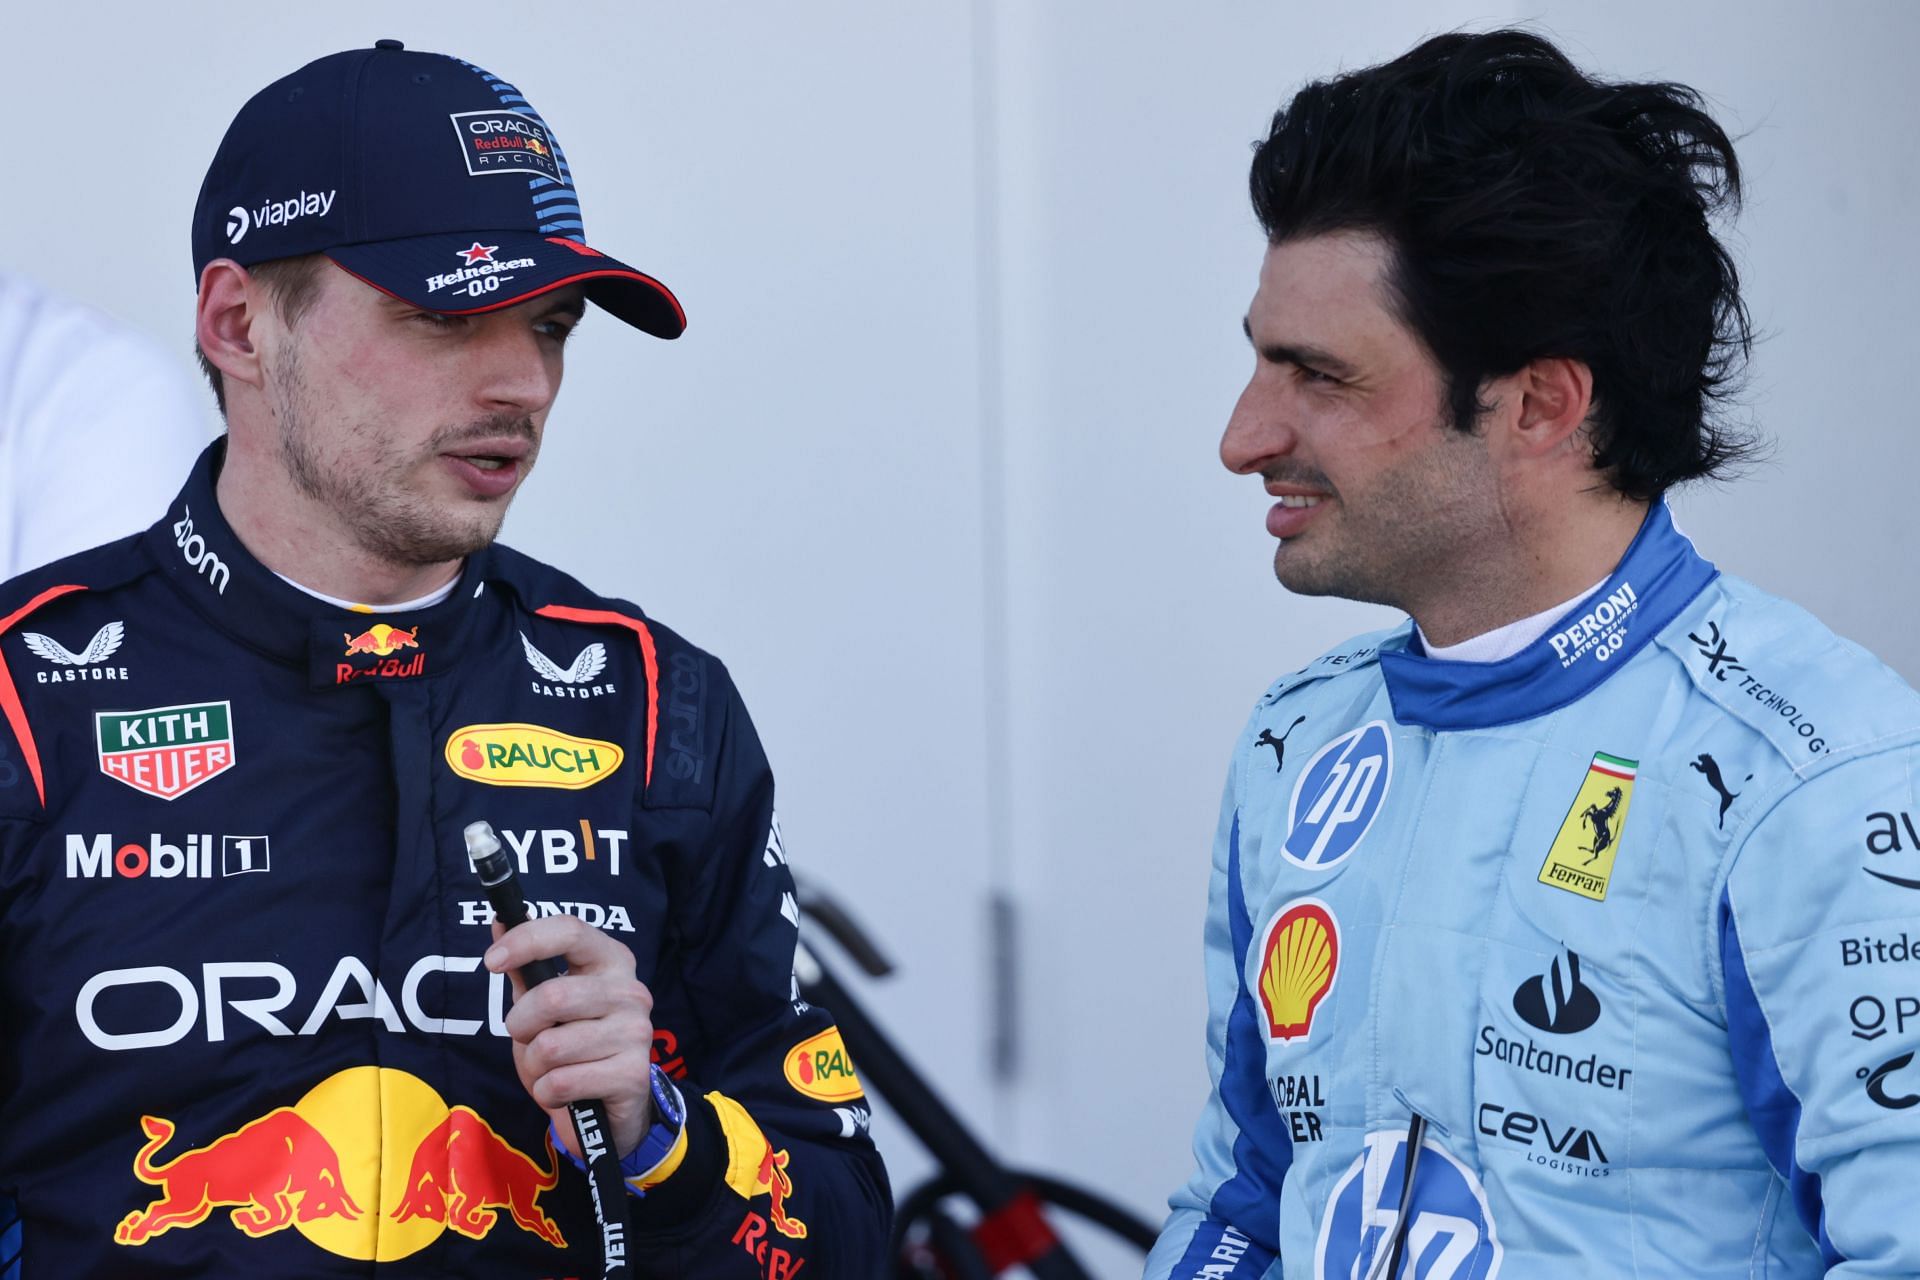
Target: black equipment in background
x: 929, y: 1241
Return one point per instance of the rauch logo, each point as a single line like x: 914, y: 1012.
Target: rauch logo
x: 820, y: 1068
x: 529, y: 755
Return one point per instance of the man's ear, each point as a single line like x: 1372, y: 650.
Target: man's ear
x: 1552, y: 398
x: 224, y: 318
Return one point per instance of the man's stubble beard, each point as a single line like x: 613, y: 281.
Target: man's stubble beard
x: 374, y: 505
x: 1404, y: 536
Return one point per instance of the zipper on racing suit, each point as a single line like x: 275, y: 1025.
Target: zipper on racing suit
x: 1391, y: 1253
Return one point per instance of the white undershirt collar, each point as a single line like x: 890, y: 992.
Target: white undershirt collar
x: 405, y: 606
x: 1502, y: 642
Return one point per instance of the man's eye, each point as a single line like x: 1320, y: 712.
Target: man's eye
x: 1315, y: 376
x: 434, y: 320
x: 558, y: 330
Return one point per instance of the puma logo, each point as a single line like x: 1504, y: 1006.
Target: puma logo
x: 1279, y: 744
x: 1707, y: 765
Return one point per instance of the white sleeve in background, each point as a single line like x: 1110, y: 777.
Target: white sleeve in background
x: 97, y: 427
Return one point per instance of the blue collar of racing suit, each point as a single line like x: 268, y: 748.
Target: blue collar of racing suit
x: 1658, y: 577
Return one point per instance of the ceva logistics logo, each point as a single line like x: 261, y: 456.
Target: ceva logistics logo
x: 529, y: 755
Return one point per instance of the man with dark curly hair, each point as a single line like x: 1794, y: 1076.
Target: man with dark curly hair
x: 1575, y: 933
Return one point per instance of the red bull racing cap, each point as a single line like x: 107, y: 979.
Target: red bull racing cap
x: 425, y: 176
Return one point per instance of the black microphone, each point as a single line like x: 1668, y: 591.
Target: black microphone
x: 591, y: 1129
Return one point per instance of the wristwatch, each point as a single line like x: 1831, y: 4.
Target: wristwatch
x: 659, y: 1153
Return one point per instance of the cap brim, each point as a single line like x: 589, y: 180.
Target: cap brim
x: 485, y: 271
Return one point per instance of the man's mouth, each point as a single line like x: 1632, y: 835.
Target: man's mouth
x: 1298, y: 500
x: 490, y: 468
x: 491, y: 455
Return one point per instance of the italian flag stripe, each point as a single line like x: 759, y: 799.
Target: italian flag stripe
x: 1613, y: 766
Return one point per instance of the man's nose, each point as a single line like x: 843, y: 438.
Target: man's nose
x: 516, y: 374
x: 1258, y: 430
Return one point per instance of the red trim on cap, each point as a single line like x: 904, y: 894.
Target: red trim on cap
x: 10, y: 696
x: 605, y: 273
x: 648, y: 656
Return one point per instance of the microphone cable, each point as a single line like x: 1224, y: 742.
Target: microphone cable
x: 592, y: 1132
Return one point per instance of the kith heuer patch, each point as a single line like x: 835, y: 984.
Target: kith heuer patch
x: 166, y: 751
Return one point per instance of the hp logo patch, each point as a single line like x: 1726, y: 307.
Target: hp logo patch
x: 1337, y: 797
x: 1451, y: 1236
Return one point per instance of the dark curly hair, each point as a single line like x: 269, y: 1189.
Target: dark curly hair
x: 1536, y: 212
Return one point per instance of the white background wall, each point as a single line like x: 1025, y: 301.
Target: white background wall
x: 934, y: 466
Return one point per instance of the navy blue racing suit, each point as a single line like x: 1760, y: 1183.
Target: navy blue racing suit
x: 244, y: 1027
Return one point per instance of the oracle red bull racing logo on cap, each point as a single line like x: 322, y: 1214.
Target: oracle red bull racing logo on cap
x: 322, y: 1166
x: 503, y: 141
x: 166, y: 751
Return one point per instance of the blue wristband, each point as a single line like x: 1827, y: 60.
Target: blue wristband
x: 669, y: 1118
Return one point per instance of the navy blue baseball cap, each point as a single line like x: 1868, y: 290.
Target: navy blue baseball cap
x: 424, y: 176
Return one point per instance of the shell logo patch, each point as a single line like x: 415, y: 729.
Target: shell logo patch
x: 820, y: 1068
x: 1581, y: 859
x: 1299, y: 959
x: 528, y: 755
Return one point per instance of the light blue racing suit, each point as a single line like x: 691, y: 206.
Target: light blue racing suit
x: 1626, y: 928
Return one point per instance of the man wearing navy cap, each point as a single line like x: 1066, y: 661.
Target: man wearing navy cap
x: 257, y: 1018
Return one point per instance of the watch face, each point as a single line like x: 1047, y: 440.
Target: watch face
x: 666, y: 1098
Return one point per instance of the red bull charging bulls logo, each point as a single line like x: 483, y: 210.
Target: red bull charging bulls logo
x: 464, y: 1171
x: 755, y: 1169
x: 374, y: 648
x: 328, y: 1167
x: 269, y: 1172
x: 381, y: 640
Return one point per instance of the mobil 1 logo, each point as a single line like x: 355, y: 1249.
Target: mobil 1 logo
x: 1337, y: 797
x: 191, y: 857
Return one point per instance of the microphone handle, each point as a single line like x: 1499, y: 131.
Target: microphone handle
x: 605, y: 1183
x: 511, y: 910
